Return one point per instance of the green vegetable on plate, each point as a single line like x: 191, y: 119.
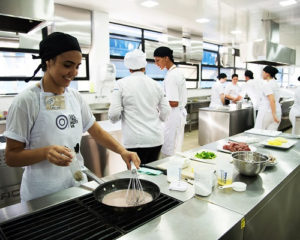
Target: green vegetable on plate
x: 205, y: 155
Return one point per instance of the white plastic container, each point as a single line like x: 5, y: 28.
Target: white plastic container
x: 204, y: 181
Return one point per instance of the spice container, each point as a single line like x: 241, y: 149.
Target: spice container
x: 75, y: 166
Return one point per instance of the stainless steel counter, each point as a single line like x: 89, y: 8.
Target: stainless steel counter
x: 269, y: 208
x: 99, y: 159
x: 216, y: 124
x: 271, y: 203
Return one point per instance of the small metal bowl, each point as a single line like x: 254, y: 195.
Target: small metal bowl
x: 249, y: 163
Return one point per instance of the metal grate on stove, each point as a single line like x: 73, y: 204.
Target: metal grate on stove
x: 82, y: 218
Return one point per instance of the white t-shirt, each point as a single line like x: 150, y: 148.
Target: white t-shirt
x: 217, y: 89
x: 233, y: 90
x: 253, y: 88
x: 140, y: 103
x: 270, y: 87
x: 175, y: 86
x: 24, y: 111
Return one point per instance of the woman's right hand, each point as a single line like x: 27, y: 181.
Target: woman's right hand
x: 59, y: 155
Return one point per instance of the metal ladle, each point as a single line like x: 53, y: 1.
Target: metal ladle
x: 236, y: 186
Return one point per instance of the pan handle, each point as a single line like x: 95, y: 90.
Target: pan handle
x: 93, y: 176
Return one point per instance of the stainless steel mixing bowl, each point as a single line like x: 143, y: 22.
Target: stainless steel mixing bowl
x: 249, y: 163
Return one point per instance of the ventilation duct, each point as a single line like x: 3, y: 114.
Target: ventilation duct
x: 267, y: 50
x: 26, y: 15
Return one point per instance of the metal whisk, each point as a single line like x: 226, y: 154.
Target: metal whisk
x: 135, y: 193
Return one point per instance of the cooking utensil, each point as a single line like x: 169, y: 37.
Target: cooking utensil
x: 106, y: 188
x: 236, y: 186
x: 135, y: 194
x: 249, y: 163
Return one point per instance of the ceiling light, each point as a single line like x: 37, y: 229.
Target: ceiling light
x: 236, y: 32
x: 287, y: 3
x: 202, y: 20
x: 149, y: 3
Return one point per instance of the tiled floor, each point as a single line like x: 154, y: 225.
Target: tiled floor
x: 191, y: 139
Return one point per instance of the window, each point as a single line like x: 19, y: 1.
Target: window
x: 119, y: 47
x: 126, y: 38
x: 17, y: 65
x: 210, y: 58
x: 209, y: 73
x: 190, y: 71
x: 241, y: 74
x: 121, y: 69
x: 228, y: 72
x: 155, y: 72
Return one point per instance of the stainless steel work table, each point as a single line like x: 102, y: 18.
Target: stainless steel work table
x: 270, y: 206
x: 218, y: 123
x: 193, y: 219
x: 271, y: 203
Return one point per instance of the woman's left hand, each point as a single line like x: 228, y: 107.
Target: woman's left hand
x: 131, y: 156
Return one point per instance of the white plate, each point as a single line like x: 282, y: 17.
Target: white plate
x: 287, y: 145
x: 263, y: 132
x: 220, y: 148
x: 244, y: 139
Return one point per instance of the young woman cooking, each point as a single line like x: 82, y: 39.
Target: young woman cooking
x: 47, y: 120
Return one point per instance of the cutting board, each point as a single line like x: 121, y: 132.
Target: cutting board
x: 189, y: 171
x: 219, y: 155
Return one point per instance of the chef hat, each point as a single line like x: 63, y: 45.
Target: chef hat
x: 271, y: 70
x: 54, y: 44
x: 135, y: 60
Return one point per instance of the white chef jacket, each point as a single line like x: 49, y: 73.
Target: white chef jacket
x: 175, y: 89
x: 217, y: 89
x: 295, y: 109
x: 233, y: 90
x: 264, y: 118
x: 140, y: 103
x: 253, y: 88
x: 175, y: 86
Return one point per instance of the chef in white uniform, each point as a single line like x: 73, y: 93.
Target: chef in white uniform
x: 176, y: 93
x: 217, y: 91
x: 233, y: 90
x: 47, y: 120
x: 269, y: 112
x: 295, y: 110
x: 253, y: 89
x: 140, y: 103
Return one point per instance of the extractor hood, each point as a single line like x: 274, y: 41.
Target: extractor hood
x: 22, y: 16
x: 268, y: 51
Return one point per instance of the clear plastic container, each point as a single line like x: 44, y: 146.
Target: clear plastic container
x: 75, y: 168
x: 173, y: 171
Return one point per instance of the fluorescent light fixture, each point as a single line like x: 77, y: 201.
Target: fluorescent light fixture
x: 149, y: 3
x: 202, y: 20
x: 287, y: 3
x: 236, y: 32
